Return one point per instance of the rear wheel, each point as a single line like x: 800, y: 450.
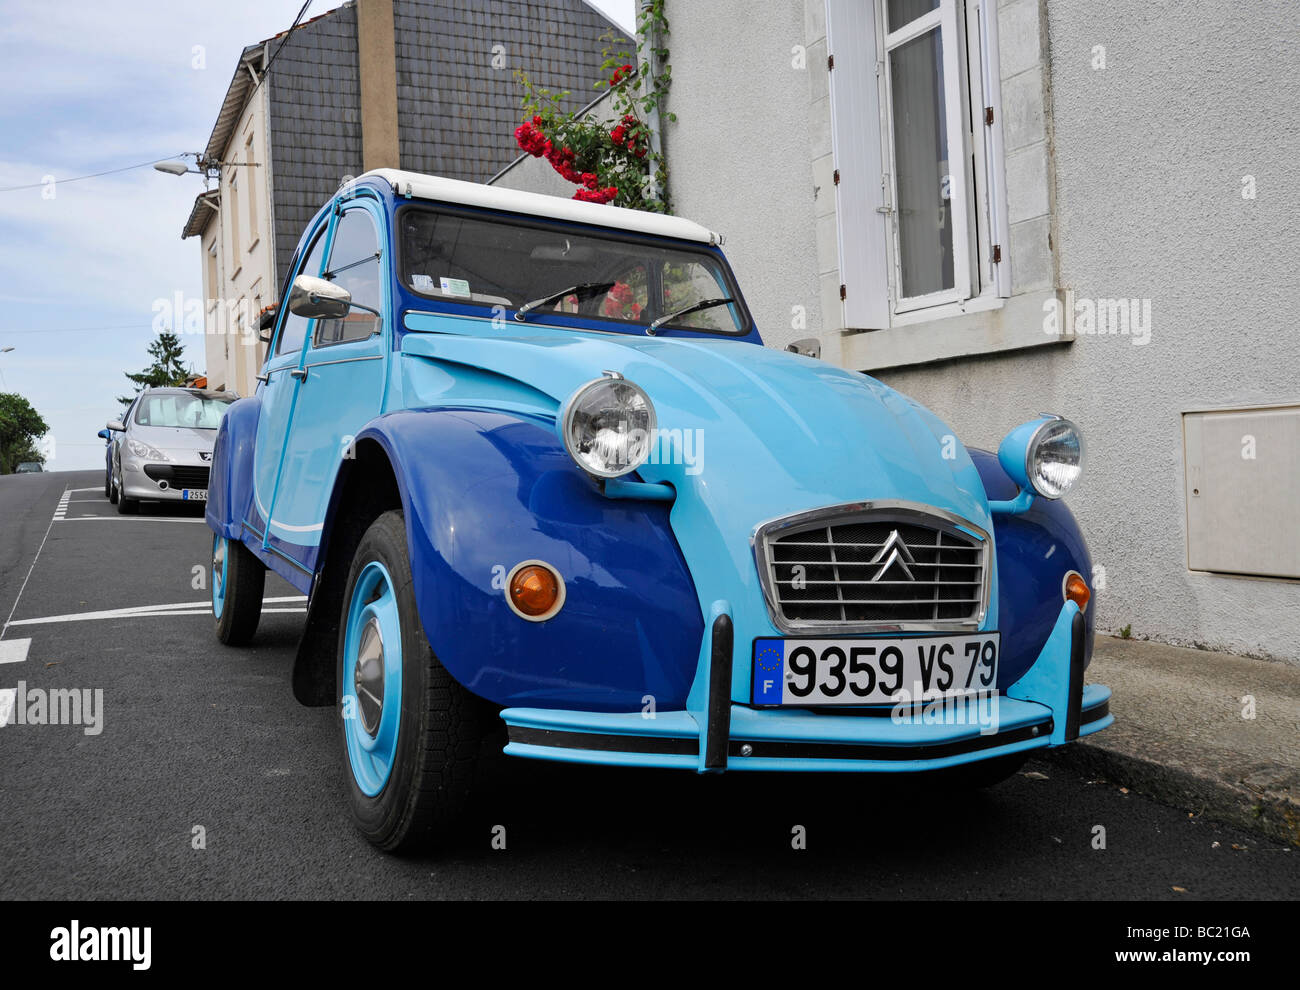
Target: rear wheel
x: 414, y: 740
x: 238, y: 581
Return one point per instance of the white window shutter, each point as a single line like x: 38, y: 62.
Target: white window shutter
x: 856, y: 140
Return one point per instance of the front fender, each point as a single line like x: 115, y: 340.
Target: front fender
x: 483, y: 490
x: 230, y: 485
x: 1035, y: 550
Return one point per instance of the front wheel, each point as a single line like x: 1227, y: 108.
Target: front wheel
x: 238, y: 581
x: 413, y: 738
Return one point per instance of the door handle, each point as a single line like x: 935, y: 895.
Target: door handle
x: 265, y: 379
x: 299, y: 373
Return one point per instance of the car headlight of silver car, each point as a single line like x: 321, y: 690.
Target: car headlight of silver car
x: 608, y: 426
x: 141, y: 449
x: 1045, y: 454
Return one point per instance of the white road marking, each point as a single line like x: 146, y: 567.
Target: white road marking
x: 99, y: 501
x: 8, y: 699
x: 14, y: 650
x: 5, y: 627
x: 85, y: 489
x: 61, y: 509
x: 202, y: 522
x: 179, y: 608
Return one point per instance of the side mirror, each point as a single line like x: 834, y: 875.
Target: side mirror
x: 104, y: 435
x: 317, y: 299
x: 117, y: 426
x: 808, y: 347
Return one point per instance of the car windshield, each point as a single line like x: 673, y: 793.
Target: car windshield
x: 494, y: 263
x: 199, y: 412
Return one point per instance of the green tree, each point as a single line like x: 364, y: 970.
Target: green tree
x: 166, y: 369
x: 20, y: 427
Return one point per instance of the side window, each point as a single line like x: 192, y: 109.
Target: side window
x: 295, y: 327
x: 354, y: 264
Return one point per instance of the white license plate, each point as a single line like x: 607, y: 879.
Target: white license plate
x: 873, y: 671
x: 194, y: 495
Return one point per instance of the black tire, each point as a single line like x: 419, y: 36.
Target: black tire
x: 108, y: 484
x: 446, y: 736
x: 112, y: 489
x: 985, y: 773
x: 127, y: 506
x: 245, y: 584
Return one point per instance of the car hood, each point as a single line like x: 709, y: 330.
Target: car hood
x: 771, y: 433
x: 174, y: 437
x: 772, y: 430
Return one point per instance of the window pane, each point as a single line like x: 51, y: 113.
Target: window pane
x: 295, y: 327
x: 903, y: 12
x: 921, y: 161
x: 485, y: 262
x: 690, y: 283
x: 354, y: 264
x: 177, y: 409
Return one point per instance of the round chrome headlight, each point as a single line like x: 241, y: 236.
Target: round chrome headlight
x: 607, y: 426
x: 1054, y: 457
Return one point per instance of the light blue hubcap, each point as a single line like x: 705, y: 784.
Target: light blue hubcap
x: 372, y: 678
x: 220, y: 549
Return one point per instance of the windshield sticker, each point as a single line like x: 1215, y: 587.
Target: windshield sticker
x: 421, y: 282
x: 455, y: 286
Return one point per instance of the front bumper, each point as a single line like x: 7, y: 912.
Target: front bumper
x: 1049, y: 706
x: 164, y: 481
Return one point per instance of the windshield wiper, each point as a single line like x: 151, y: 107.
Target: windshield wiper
x: 653, y: 328
x: 583, y: 290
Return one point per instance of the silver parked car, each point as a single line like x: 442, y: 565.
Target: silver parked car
x: 163, y: 450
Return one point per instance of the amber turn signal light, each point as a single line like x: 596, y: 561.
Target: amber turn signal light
x: 1075, y: 589
x: 534, y: 590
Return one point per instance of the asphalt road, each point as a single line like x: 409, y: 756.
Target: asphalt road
x: 196, y: 734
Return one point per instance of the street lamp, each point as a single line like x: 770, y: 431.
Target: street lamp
x: 5, y: 350
x: 209, y: 168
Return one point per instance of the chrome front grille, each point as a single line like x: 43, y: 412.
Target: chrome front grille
x: 874, y: 566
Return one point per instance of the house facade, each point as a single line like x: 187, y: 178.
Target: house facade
x: 426, y: 85
x: 1002, y: 208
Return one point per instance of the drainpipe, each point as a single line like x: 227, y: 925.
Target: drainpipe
x: 654, y: 123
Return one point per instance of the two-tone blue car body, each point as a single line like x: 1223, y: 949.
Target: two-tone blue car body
x: 546, y: 489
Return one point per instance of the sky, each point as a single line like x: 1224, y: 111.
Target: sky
x: 85, y: 88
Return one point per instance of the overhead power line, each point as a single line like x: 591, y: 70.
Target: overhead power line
x: 93, y: 175
x: 287, y: 35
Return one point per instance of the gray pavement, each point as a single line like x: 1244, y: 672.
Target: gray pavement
x: 198, y: 735
x: 1210, y: 731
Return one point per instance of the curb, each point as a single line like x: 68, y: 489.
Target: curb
x: 1265, y: 800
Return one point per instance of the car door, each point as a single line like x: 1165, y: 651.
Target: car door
x: 277, y: 391
x: 344, y: 382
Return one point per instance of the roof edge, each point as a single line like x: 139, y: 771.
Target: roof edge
x: 456, y: 191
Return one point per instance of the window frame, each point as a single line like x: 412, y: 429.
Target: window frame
x: 273, y: 350
x: 864, y: 152
x: 326, y: 271
x: 587, y: 230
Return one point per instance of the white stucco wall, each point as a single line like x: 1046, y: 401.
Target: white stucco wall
x: 1150, y: 153
x: 1146, y: 159
x: 247, y: 271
